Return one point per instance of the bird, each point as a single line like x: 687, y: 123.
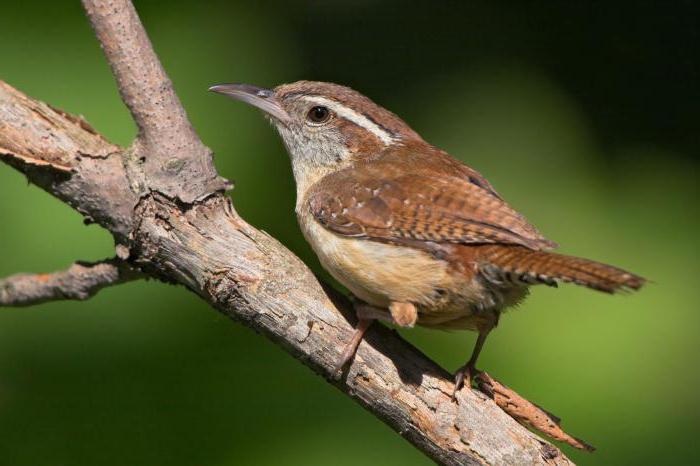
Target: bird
x: 417, y: 236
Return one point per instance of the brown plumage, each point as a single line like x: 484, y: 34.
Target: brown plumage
x: 418, y: 236
x: 427, y: 204
x: 409, y: 194
x: 515, y: 264
x: 349, y: 98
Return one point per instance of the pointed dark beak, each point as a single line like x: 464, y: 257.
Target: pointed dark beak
x: 264, y: 99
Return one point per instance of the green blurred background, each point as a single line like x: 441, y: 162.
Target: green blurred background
x: 584, y: 116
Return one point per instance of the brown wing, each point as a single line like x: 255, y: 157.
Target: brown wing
x: 418, y: 195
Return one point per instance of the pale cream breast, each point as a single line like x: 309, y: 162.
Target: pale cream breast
x: 375, y: 272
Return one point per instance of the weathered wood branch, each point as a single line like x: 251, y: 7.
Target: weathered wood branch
x: 175, y: 161
x: 164, y: 204
x: 62, y: 154
x: 79, y: 281
x: 526, y: 412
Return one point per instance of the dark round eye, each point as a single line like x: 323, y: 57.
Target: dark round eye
x: 319, y: 114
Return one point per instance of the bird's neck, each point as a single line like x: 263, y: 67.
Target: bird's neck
x: 313, y: 161
x: 306, y: 175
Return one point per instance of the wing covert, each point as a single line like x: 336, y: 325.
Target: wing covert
x: 383, y: 200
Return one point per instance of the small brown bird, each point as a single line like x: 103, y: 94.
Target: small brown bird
x: 417, y: 236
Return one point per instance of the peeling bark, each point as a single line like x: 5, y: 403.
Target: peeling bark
x: 67, y: 159
x: 526, y: 412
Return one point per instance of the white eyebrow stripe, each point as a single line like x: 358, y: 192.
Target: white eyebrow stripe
x: 357, y: 118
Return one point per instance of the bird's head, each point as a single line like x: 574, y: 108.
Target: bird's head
x: 325, y: 127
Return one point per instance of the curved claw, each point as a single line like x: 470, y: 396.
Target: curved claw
x: 465, y: 373
x: 464, y: 377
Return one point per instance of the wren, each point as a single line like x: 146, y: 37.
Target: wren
x: 418, y: 237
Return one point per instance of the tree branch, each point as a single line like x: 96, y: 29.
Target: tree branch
x: 176, y: 162
x: 80, y: 281
x: 187, y: 232
x: 250, y: 277
x: 64, y: 155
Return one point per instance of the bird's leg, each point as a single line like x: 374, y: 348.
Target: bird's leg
x: 465, y: 373
x: 400, y: 313
x: 351, y: 346
x: 366, y: 314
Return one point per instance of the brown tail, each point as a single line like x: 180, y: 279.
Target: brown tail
x: 518, y: 264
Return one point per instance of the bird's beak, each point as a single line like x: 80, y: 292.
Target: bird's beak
x: 264, y: 99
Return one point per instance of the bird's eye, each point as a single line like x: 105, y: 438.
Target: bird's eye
x: 319, y: 114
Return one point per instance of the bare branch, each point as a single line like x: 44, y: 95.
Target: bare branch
x: 80, y: 281
x: 242, y: 272
x: 526, y: 412
x: 177, y: 163
x: 94, y: 181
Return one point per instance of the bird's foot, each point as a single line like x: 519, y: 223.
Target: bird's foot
x: 464, y: 377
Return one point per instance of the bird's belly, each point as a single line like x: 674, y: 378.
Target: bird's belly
x: 379, y: 273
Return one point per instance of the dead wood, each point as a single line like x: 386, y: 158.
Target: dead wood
x: 164, y: 203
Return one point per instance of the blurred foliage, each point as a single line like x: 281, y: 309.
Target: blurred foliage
x: 585, y: 117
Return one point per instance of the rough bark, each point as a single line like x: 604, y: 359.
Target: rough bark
x: 79, y: 281
x: 178, y: 164
x: 164, y: 203
x: 526, y: 412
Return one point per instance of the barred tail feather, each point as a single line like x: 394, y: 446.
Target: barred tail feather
x: 515, y: 264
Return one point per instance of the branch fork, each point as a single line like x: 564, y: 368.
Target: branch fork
x: 164, y: 204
